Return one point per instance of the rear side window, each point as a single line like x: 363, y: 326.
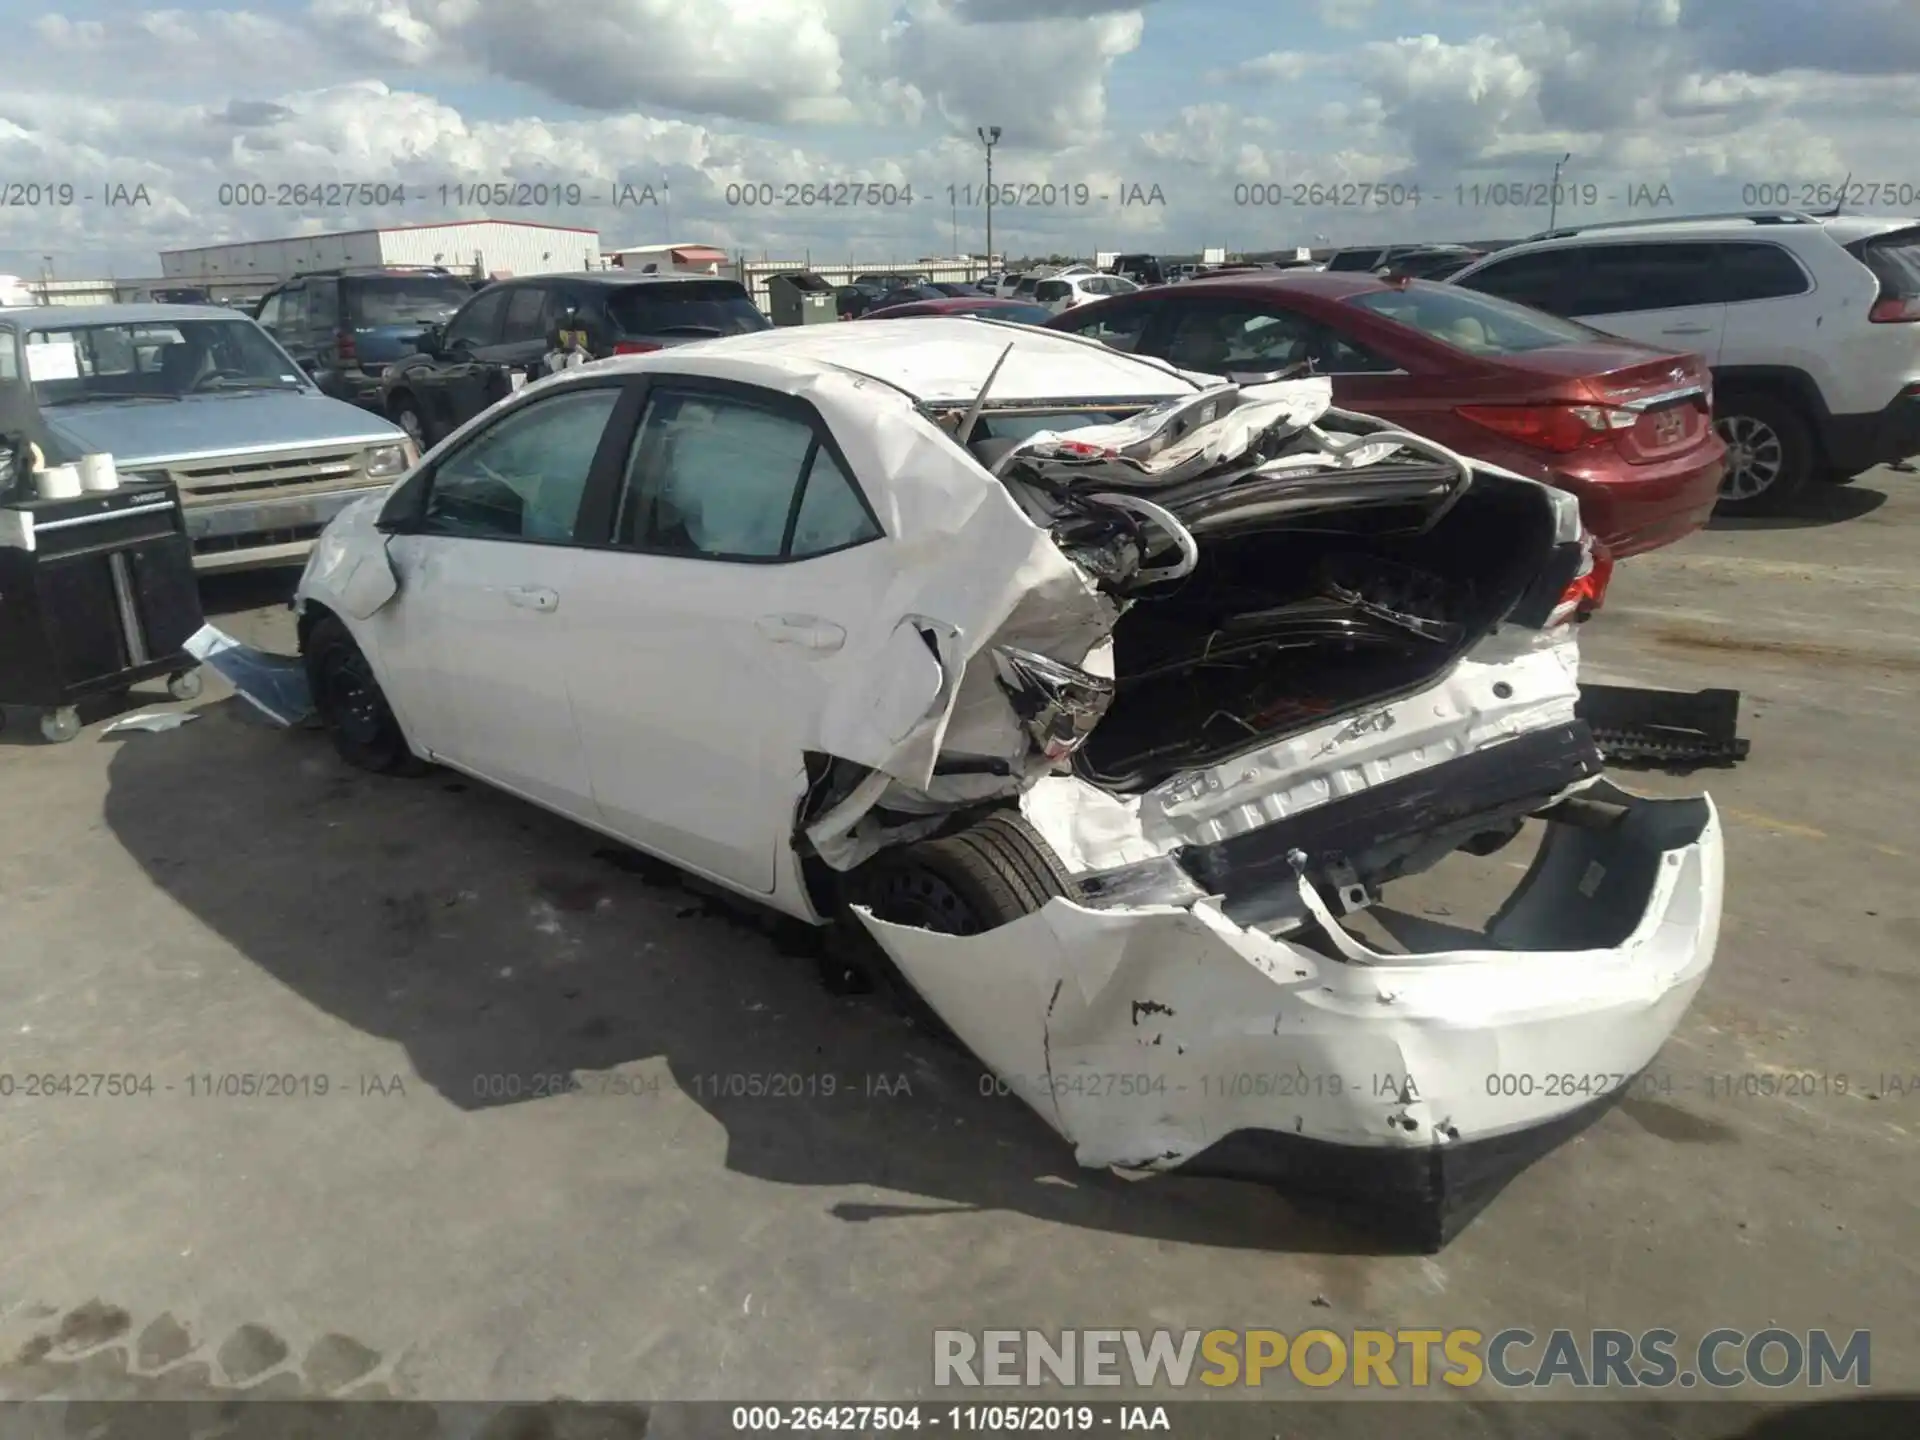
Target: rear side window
x: 1477, y: 324
x: 1545, y: 279
x: 721, y: 479
x: 1118, y: 327
x: 526, y: 316
x: 1351, y: 260
x: 1895, y: 262
x: 1218, y: 338
x: 323, y: 305
x: 1048, y: 290
x: 1620, y: 279
x: 374, y: 300
x: 1757, y: 272
x: 695, y: 309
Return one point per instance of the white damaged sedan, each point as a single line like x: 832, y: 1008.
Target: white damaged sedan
x: 1096, y: 694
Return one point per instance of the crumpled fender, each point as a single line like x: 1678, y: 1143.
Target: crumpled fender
x: 349, y: 570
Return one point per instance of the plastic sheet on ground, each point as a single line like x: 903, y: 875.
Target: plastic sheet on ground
x: 275, y: 685
x: 153, y: 721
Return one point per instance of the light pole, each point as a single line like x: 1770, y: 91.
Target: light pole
x: 1553, y: 199
x: 989, y: 137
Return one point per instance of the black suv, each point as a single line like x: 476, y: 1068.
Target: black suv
x: 346, y: 326
x: 1416, y: 262
x: 467, y: 364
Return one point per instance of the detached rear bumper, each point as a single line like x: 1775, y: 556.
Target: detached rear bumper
x: 1164, y: 1037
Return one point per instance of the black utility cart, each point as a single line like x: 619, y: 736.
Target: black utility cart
x: 97, y: 594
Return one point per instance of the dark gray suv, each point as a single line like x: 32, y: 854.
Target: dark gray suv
x: 346, y: 326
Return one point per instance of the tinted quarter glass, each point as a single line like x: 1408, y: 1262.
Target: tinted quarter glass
x: 832, y: 514
x: 1047, y: 291
x: 697, y: 307
x: 1654, y: 275
x: 1478, y: 324
x: 523, y: 476
x: 1895, y: 263
x: 713, y: 477
x: 1547, y: 280
x: 479, y: 323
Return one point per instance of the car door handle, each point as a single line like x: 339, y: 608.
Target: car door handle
x: 809, y: 632
x: 1689, y: 330
x: 533, y: 597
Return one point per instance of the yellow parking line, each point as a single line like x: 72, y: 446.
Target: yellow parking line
x: 1785, y: 827
x: 1804, y: 832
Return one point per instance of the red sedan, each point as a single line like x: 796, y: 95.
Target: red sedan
x: 1020, y: 312
x: 1626, y: 427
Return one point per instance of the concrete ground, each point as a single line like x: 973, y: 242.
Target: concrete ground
x: 230, y: 899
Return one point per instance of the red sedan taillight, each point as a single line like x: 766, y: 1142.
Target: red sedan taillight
x: 1894, y: 310
x: 1588, y: 592
x: 634, y: 347
x: 1558, y: 429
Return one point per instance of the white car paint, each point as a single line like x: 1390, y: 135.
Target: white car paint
x: 689, y: 745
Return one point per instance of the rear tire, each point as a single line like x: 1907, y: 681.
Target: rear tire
x: 1770, y: 453
x: 352, y: 706
x: 991, y: 873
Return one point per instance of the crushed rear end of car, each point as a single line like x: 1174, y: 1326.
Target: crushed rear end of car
x: 1295, y: 656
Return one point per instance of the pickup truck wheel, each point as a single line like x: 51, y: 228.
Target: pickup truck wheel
x: 1770, y: 455
x: 352, y: 706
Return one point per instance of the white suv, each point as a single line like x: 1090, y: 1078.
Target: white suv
x: 1060, y: 293
x: 1811, y: 327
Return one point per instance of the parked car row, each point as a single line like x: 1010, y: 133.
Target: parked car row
x: 1593, y: 357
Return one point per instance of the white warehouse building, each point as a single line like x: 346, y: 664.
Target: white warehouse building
x: 484, y: 248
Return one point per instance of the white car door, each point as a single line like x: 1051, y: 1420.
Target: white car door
x: 486, y: 572
x: 1662, y: 293
x: 739, y: 601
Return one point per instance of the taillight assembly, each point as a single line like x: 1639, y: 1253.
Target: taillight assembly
x: 344, y: 347
x: 1058, y: 704
x: 1588, y: 590
x: 634, y: 347
x: 1894, y: 310
x: 1559, y: 429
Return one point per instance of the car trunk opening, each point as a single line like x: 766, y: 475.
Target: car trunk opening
x: 1310, y: 616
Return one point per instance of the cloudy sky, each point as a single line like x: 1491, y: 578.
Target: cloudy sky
x: 1260, y: 124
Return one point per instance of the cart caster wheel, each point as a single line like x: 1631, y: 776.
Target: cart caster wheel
x: 59, y: 726
x: 184, y: 686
